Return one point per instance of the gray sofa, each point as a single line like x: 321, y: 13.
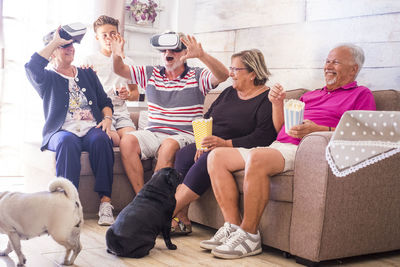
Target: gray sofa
x: 312, y: 214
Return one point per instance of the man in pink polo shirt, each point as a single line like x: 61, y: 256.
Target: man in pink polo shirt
x: 323, y: 110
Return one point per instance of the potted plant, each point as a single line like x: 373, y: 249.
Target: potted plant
x: 142, y: 13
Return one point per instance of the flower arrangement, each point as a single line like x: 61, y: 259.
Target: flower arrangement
x: 143, y: 12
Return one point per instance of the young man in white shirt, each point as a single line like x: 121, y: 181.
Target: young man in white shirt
x: 117, y: 88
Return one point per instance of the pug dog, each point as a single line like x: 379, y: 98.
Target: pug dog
x: 57, y: 212
x: 135, y: 230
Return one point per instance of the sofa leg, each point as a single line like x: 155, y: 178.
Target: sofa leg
x: 287, y: 255
x: 306, y: 262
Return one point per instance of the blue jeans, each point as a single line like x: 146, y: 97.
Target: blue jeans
x: 68, y: 148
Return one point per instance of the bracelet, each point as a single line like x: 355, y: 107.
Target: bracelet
x: 107, y: 117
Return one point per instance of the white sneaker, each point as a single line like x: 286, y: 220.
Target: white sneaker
x: 106, y: 217
x: 239, y: 244
x: 220, y: 236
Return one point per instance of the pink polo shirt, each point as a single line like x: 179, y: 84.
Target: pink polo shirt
x: 325, y: 107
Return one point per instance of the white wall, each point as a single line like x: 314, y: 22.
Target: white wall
x: 296, y: 36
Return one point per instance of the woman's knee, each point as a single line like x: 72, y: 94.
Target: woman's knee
x: 101, y: 139
x: 215, y: 159
x: 70, y: 142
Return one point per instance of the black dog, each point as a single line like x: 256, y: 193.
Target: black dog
x: 135, y: 230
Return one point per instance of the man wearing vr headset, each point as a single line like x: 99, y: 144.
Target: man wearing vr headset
x: 175, y: 96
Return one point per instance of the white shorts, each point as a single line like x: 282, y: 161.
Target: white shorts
x: 121, y: 120
x: 150, y: 142
x: 287, y: 150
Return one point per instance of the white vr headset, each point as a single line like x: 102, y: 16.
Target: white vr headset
x: 74, y: 31
x: 167, y: 41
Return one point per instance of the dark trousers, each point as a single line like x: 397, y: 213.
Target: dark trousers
x: 68, y: 148
x: 195, y: 173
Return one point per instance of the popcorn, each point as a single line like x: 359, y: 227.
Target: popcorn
x: 293, y: 112
x: 201, y: 129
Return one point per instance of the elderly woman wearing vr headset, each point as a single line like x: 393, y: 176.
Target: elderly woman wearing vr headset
x: 175, y: 96
x: 77, y: 116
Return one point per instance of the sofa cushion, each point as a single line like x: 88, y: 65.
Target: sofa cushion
x: 118, y: 168
x: 281, y: 188
x: 387, y: 99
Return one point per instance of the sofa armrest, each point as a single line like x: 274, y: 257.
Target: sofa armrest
x: 336, y: 217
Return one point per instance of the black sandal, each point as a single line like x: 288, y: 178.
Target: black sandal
x: 181, y: 228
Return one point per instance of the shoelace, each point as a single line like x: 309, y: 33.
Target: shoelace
x: 223, y: 232
x: 107, y: 211
x: 234, y: 239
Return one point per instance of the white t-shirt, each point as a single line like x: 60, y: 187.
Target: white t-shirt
x: 103, y: 66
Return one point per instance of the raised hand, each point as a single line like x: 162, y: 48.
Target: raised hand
x: 58, y: 40
x: 194, y: 49
x: 117, y: 45
x: 277, y: 94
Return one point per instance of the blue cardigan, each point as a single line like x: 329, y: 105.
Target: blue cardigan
x: 53, y: 89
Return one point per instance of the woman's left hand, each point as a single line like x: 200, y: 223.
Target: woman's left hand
x: 211, y: 142
x: 199, y: 152
x: 105, y: 125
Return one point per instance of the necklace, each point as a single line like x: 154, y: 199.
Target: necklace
x: 252, y: 93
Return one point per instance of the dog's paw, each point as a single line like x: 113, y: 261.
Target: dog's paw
x: 67, y: 263
x: 172, y: 247
x: 23, y: 263
x: 111, y: 252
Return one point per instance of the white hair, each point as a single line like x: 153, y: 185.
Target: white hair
x: 357, y: 52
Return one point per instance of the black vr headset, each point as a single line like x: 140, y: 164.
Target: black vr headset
x: 167, y: 41
x: 74, y: 31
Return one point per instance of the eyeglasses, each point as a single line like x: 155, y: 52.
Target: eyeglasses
x: 234, y: 69
x: 172, y: 50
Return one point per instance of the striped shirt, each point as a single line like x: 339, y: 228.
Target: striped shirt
x: 173, y: 104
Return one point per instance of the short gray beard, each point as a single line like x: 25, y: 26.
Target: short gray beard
x: 331, y: 81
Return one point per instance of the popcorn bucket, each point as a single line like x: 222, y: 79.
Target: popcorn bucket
x: 201, y: 129
x: 293, y: 112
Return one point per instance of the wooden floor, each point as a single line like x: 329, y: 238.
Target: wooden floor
x: 45, y: 252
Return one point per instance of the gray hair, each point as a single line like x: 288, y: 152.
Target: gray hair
x: 253, y: 59
x: 357, y: 52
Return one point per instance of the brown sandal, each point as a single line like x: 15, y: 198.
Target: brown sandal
x: 181, y: 228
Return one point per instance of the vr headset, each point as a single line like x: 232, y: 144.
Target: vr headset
x: 74, y: 31
x: 167, y: 41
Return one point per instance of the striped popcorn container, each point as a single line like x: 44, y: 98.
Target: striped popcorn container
x: 294, y: 113
x: 201, y: 129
